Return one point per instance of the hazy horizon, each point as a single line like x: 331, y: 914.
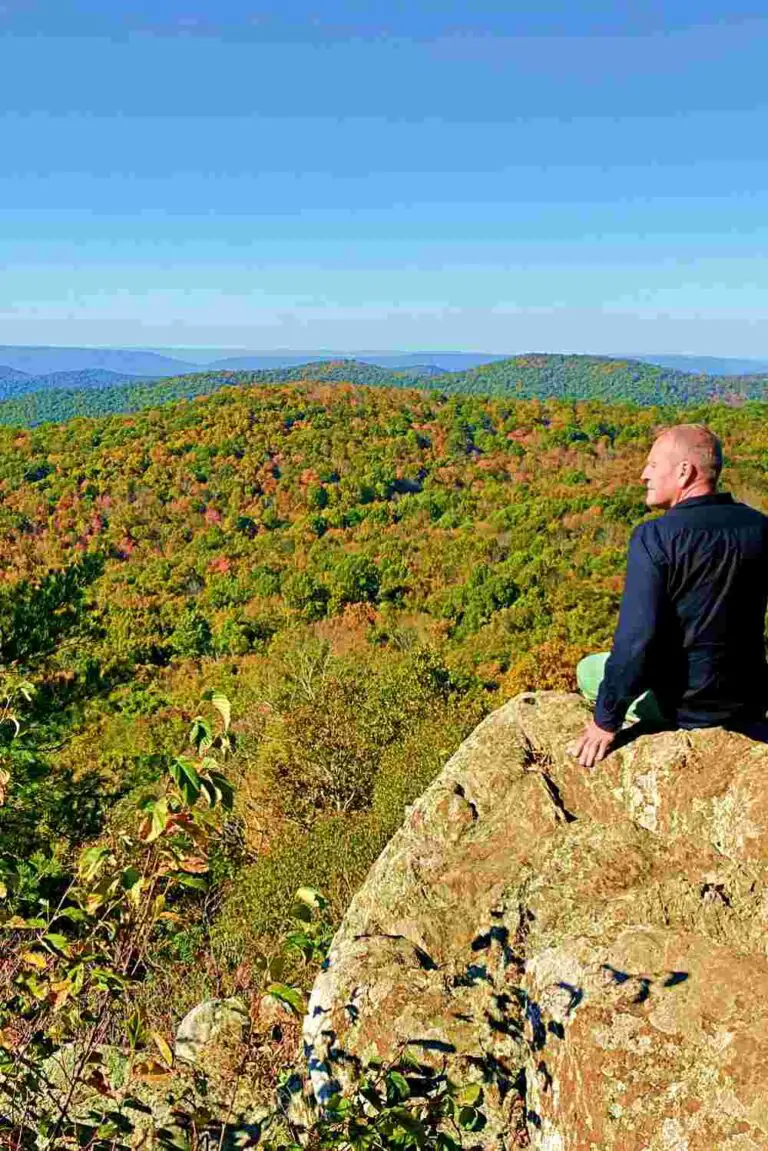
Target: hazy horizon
x: 278, y: 349
x: 67, y: 361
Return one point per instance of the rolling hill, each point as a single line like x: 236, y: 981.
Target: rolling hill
x: 520, y: 377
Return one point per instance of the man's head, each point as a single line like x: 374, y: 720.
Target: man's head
x: 684, y: 461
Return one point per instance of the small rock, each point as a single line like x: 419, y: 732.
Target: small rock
x: 273, y: 1012
x: 213, y: 1027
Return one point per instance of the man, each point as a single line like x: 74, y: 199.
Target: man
x: 692, y: 616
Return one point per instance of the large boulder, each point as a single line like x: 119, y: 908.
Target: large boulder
x: 591, y: 946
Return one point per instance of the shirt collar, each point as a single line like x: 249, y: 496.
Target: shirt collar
x: 702, y: 501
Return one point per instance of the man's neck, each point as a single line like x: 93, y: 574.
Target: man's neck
x: 693, y: 492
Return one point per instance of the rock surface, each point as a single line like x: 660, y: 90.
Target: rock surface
x: 589, y: 945
x: 211, y: 1032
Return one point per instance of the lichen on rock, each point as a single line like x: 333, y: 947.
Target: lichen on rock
x: 589, y: 945
x: 210, y: 1034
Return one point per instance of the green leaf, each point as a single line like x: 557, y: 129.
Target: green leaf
x: 227, y: 742
x: 470, y: 1095
x: 159, y: 820
x: 75, y: 914
x: 60, y: 942
x: 38, y: 988
x: 223, y: 707
x: 16, y: 923
x: 446, y: 1143
x: 408, y: 1059
x: 291, y: 996
x: 224, y: 788
x: 194, y: 881
x: 302, y: 913
x: 135, y: 1030
x: 470, y: 1119
x: 91, y: 860
x: 200, y: 734
x: 129, y: 878
x: 399, y: 1084
x: 311, y: 898
x: 215, y: 786
x: 276, y: 967
x: 406, y: 1119
x: 163, y: 1047
x: 104, y: 978
x: 371, y: 1095
x: 184, y: 775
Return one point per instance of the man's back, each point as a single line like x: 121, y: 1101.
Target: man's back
x: 715, y: 554
x: 703, y: 571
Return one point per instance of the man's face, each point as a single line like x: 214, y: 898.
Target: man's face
x: 662, y: 474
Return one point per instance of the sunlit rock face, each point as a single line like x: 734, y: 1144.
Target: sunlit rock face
x: 590, y: 946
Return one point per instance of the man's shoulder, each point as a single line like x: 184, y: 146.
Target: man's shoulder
x: 655, y: 532
x: 751, y: 515
x: 649, y: 536
x: 647, y: 531
x: 728, y: 514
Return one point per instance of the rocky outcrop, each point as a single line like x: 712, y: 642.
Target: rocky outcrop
x: 590, y: 946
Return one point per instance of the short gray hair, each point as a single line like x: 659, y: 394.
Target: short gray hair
x: 701, y: 446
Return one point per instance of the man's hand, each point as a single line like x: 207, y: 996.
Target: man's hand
x: 592, y: 745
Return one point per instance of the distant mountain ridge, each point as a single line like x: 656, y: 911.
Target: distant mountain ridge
x: 709, y: 365
x: 156, y: 363
x: 519, y: 377
x: 44, y: 361
x: 12, y: 375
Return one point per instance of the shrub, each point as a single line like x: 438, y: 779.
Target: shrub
x: 550, y: 666
x: 333, y: 855
x: 409, y: 766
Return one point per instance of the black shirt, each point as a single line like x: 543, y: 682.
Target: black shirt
x: 692, y: 618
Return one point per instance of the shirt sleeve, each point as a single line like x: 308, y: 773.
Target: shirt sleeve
x: 640, y: 619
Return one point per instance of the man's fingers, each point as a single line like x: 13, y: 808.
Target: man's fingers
x: 585, y: 753
x: 592, y: 751
x: 592, y: 745
x: 577, y: 746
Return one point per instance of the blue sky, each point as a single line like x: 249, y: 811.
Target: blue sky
x: 483, y: 176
